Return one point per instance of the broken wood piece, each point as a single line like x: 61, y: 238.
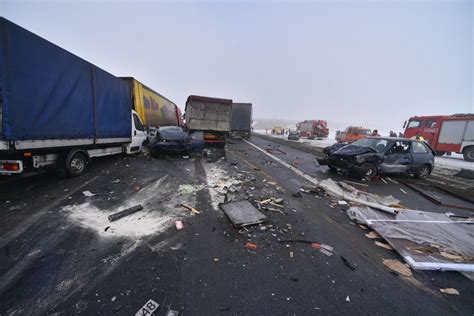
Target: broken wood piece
x: 192, y: 209
x: 383, y: 245
x: 372, y: 235
x: 449, y: 290
x: 277, y: 205
x: 264, y: 201
x: 115, y: 216
x: 357, y: 183
x: 398, y: 267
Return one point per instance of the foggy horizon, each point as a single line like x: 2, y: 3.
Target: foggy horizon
x: 371, y: 64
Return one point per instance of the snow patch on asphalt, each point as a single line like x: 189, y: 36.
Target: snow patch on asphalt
x: 160, y: 210
x: 218, y: 182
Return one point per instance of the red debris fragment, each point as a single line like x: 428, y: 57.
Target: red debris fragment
x: 251, y: 246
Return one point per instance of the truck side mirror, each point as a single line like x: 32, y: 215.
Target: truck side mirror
x: 404, y: 124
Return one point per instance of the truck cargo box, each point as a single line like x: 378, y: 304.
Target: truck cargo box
x: 48, y: 93
x: 241, y: 118
x: 208, y: 114
x: 153, y: 108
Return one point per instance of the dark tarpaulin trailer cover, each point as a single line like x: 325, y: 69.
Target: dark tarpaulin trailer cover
x: 48, y: 93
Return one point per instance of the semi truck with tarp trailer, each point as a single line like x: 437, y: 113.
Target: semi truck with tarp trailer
x: 445, y: 133
x: 209, y: 116
x: 241, y: 120
x: 154, y: 109
x: 58, y: 110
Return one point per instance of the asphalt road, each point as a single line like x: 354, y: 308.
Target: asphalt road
x: 61, y: 255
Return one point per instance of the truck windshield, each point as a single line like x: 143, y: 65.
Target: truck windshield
x: 414, y: 124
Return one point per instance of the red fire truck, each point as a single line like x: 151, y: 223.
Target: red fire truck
x: 313, y: 129
x: 446, y: 134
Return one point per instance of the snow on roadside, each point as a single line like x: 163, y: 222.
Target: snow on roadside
x: 159, y: 202
x: 453, y: 163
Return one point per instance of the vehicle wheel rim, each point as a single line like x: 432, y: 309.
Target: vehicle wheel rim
x: 369, y: 172
x: 77, y: 164
x: 424, y: 172
x: 470, y: 154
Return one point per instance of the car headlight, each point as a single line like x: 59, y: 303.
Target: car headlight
x: 362, y: 158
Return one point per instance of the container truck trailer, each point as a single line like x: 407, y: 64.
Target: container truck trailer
x: 241, y: 120
x: 153, y: 109
x: 58, y: 110
x: 212, y: 116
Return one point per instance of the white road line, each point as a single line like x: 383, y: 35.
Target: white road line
x: 295, y: 170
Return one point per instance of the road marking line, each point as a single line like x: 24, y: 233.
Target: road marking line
x: 295, y: 170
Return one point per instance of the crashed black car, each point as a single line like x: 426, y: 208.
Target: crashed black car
x: 371, y: 156
x: 169, y: 139
x: 293, y: 136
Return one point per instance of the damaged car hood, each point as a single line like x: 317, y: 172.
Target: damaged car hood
x: 354, y: 150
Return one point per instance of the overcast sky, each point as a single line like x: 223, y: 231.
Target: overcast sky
x: 371, y: 63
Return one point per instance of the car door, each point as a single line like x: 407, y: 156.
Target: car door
x: 421, y: 155
x: 398, y: 158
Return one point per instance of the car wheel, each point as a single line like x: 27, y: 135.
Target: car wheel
x: 371, y: 170
x: 468, y: 154
x: 423, y: 172
x: 76, y: 165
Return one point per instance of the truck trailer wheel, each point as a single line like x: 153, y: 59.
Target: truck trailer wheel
x: 468, y: 153
x: 76, y: 165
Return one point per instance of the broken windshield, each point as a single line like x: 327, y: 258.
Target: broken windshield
x: 376, y: 144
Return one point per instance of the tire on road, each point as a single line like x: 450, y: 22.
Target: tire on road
x: 468, y: 153
x: 76, y: 164
x: 372, y: 170
x: 423, y: 172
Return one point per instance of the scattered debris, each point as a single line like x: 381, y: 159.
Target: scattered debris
x: 297, y: 194
x: 115, y: 216
x: 364, y: 227
x: 348, y: 300
x: 383, y: 245
x: 148, y: 308
x: 192, y: 209
x: 291, y: 254
x: 113, y: 298
x: 106, y: 228
x: 357, y: 183
x: 372, y: 235
x: 88, y: 193
x: 398, y: 267
x: 251, y: 246
x: 185, y: 189
x: 449, y: 290
x: 383, y: 180
x: 216, y: 259
x: 391, y: 180
x: 116, y: 181
x: 136, y: 188
x: 405, y: 192
x: 324, y: 249
x: 242, y: 213
x: 179, y: 225
x: 351, y: 265
x: 342, y: 202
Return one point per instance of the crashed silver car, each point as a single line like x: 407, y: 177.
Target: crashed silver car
x: 371, y: 156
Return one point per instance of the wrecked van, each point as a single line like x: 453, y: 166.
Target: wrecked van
x: 371, y: 156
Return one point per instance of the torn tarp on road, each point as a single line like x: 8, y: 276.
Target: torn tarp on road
x: 425, y: 240
x: 349, y: 193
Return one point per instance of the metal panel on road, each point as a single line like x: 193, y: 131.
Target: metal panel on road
x: 242, y: 213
